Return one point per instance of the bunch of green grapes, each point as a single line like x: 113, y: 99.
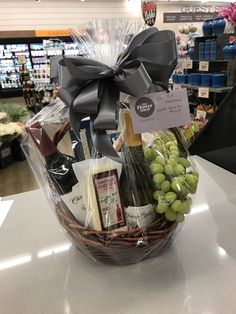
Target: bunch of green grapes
x: 173, y: 178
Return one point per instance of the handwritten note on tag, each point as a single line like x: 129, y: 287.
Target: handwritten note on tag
x: 157, y: 111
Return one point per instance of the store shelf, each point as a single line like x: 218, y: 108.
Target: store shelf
x: 11, y: 92
x: 211, y: 89
x: 213, y: 61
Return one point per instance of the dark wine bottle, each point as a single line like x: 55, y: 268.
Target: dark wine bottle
x: 136, y: 180
x: 60, y: 172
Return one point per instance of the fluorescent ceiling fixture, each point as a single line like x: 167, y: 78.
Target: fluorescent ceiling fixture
x: 56, y: 249
x: 199, y: 209
x: 4, y: 210
x: 15, y: 262
x: 133, y: 6
x: 221, y: 251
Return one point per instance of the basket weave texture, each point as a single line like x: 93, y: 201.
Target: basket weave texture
x: 120, y: 248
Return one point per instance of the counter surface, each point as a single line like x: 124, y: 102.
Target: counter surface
x: 42, y: 273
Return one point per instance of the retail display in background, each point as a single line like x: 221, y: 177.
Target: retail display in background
x: 10, y: 65
x: 37, y: 56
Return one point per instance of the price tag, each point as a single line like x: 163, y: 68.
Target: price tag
x: 201, y: 114
x: 177, y: 87
x: 188, y: 64
x: 203, y: 92
x: 204, y: 66
x: 21, y: 59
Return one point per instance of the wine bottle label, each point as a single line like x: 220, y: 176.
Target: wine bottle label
x: 108, y: 199
x: 74, y: 202
x: 139, y: 217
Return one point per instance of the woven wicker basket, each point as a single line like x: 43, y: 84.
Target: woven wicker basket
x: 121, y: 248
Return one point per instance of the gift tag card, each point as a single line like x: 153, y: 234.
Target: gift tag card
x: 157, y: 111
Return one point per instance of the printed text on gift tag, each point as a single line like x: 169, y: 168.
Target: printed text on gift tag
x: 157, y: 111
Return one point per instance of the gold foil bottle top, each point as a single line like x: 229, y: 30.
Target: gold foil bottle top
x: 131, y: 138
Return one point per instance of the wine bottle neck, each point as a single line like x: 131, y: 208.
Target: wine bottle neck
x: 42, y: 140
x: 132, y: 140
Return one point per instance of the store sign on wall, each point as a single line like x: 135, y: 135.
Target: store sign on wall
x: 149, y: 10
x: 52, y: 32
x: 192, y: 13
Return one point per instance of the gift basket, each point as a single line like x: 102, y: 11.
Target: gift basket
x: 120, y: 195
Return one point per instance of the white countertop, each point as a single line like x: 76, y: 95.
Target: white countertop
x: 41, y: 273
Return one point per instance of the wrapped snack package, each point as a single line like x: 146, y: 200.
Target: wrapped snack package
x: 121, y: 196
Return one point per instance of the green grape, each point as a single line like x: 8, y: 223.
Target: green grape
x: 156, y: 168
x: 165, y: 186
x: 170, y: 215
x: 189, y: 201
x: 174, y: 148
x: 176, y: 186
x: 160, y: 160
x: 173, y: 155
x: 185, y: 208
x: 196, y: 178
x: 159, y: 178
x: 196, y: 174
x: 184, y: 190
x: 150, y: 154
x: 169, y: 170
x: 190, y: 179
x: 162, y: 207
x: 157, y: 186
x: 178, y: 170
x: 170, y: 143
x: 170, y: 197
x: 184, y: 162
x: 179, y: 218
x: 172, y: 162
x: 191, y: 183
x: 176, y: 206
x: 157, y: 195
x: 180, y: 179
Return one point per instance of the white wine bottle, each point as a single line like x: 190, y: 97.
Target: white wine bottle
x: 136, y: 180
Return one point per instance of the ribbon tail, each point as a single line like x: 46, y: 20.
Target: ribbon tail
x: 107, y: 118
x: 75, y: 119
x: 103, y: 144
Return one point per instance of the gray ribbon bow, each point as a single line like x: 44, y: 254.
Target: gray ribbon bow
x: 91, y: 88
